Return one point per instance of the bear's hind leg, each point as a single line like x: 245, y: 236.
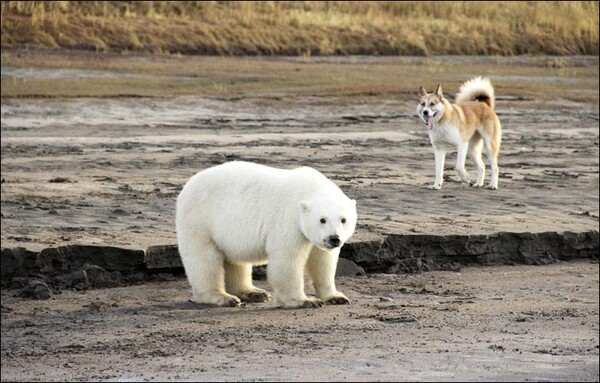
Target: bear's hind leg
x: 203, y: 264
x: 238, y: 281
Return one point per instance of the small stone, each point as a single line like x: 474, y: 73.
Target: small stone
x: 36, y: 289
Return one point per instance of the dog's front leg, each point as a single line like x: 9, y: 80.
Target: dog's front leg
x: 440, y: 158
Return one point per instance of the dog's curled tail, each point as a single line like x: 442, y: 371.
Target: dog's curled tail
x: 477, y: 89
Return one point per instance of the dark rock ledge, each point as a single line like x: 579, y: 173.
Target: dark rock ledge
x: 39, y: 275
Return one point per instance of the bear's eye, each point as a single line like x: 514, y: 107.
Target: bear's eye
x: 323, y: 220
x: 343, y: 220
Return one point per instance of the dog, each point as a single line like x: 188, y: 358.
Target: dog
x: 469, y: 124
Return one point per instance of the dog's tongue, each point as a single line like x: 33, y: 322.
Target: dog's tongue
x: 430, y: 122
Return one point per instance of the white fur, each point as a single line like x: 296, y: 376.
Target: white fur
x: 234, y: 215
x: 444, y: 138
x: 474, y: 86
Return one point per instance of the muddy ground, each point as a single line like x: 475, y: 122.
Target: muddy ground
x: 106, y: 169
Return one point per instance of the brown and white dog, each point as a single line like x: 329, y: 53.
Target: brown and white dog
x: 469, y: 124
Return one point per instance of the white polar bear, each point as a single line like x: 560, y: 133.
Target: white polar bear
x: 238, y: 214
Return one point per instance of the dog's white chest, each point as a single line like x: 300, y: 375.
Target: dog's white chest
x: 445, y: 135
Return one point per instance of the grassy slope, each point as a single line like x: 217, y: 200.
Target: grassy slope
x: 306, y: 28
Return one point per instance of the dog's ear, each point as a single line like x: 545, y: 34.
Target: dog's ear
x: 438, y: 91
x: 422, y: 91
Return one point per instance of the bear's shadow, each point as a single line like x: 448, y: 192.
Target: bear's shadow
x: 190, y: 305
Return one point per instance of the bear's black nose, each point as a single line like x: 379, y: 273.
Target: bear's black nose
x: 334, y: 240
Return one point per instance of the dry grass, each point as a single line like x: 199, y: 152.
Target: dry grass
x: 321, y: 79
x: 306, y: 28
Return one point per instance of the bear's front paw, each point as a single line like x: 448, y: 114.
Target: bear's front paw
x: 341, y: 300
x: 300, y: 303
x: 312, y: 303
x: 256, y: 296
x: 228, y: 301
x: 233, y: 302
x: 223, y: 300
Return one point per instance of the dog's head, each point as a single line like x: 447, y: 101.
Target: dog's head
x: 431, y: 106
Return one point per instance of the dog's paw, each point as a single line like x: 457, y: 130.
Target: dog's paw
x: 476, y: 185
x: 435, y: 187
x: 492, y: 187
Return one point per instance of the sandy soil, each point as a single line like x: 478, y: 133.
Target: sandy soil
x: 501, y: 323
x: 107, y: 171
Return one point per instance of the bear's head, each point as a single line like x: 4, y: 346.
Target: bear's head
x: 328, y: 223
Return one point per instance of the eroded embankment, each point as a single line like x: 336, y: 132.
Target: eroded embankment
x: 40, y: 274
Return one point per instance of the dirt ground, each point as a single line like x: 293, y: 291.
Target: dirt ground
x: 502, y: 323
x: 106, y: 170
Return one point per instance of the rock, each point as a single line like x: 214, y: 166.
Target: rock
x: 417, y: 253
x: 16, y: 262
x: 259, y: 273
x: 76, y: 280
x: 91, y: 276
x: 83, y: 267
x: 35, y: 289
x: 66, y: 259
x: 98, y: 277
x: 348, y: 268
x: 162, y: 257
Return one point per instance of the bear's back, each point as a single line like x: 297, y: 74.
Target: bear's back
x: 236, y: 186
x: 241, y: 176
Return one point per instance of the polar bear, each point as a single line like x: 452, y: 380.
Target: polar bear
x: 238, y: 214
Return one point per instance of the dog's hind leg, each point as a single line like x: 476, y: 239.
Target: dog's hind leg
x: 475, y: 148
x: 460, y: 162
x: 492, y: 148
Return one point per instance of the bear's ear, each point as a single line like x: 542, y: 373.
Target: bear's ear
x: 305, y: 206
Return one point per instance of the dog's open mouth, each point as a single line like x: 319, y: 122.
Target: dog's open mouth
x: 429, y: 120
